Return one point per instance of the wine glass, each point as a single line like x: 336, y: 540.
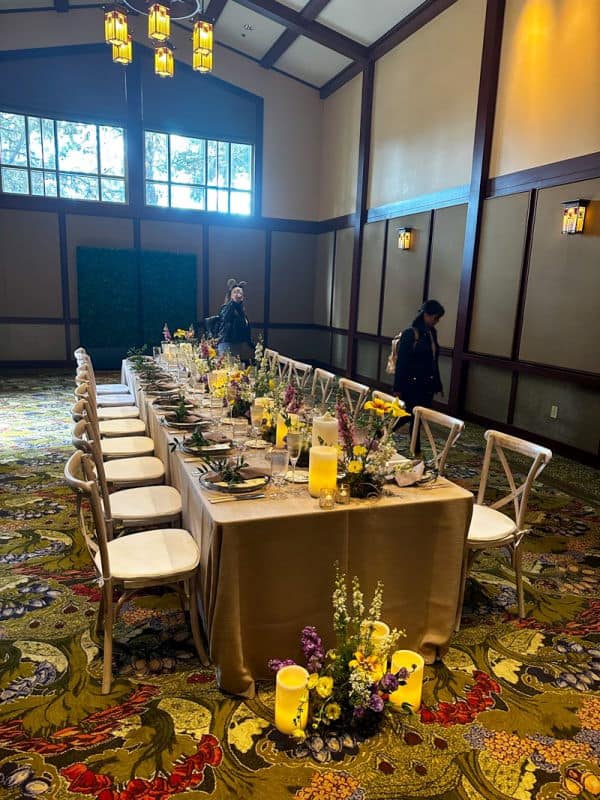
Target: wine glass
x: 279, y: 465
x: 256, y: 416
x: 294, y: 448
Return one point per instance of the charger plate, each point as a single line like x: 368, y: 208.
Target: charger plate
x: 254, y: 479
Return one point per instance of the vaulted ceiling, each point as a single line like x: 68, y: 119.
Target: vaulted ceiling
x: 320, y: 42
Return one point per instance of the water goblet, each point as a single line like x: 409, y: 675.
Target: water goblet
x: 279, y: 466
x: 294, y: 448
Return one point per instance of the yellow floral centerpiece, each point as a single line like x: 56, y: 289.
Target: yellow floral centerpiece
x: 367, y: 448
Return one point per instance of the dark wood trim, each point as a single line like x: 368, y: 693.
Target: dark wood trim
x: 310, y: 11
x: 589, y: 379
x: 343, y: 77
x: 64, y: 279
x: 336, y: 223
x: 38, y: 321
x: 294, y: 21
x: 524, y: 277
x: 386, y: 226
x: 43, y: 52
x: 427, y: 276
x: 205, y: 271
x: 570, y: 170
x: 56, y: 364
x: 331, y: 294
x: 258, y: 158
x: 267, y: 296
x: 512, y: 398
x: 417, y: 19
x: 134, y: 169
x: 426, y: 202
x: 215, y: 9
x: 362, y: 186
x: 482, y: 147
x: 61, y: 6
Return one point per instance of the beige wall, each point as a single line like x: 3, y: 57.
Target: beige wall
x: 488, y: 391
x: 446, y: 263
x: 424, y: 107
x: 30, y: 279
x: 340, y: 131
x: 292, y: 112
x: 293, y: 262
x: 238, y: 254
x: 561, y: 324
x: 370, y: 277
x: 342, y: 278
x: 548, y: 105
x: 32, y: 342
x: 323, y: 279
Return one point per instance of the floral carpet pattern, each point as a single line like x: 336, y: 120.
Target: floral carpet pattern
x: 513, y: 711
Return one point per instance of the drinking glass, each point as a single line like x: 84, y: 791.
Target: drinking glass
x: 279, y: 465
x: 240, y: 427
x: 156, y: 353
x: 256, y: 416
x: 294, y: 448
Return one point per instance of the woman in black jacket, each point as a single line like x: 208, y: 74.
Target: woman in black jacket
x: 234, y: 328
x: 417, y: 376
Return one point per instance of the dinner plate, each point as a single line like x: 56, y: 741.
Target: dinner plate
x: 191, y: 421
x: 254, y: 479
x: 223, y: 449
x: 257, y: 444
x: 301, y: 476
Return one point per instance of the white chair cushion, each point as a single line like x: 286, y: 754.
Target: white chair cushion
x: 490, y: 526
x: 125, y: 446
x: 119, y: 412
x: 145, y: 502
x: 134, y: 470
x: 151, y: 554
x: 112, y: 388
x: 122, y: 427
x: 105, y: 400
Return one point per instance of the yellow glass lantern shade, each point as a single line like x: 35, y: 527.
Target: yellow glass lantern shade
x: 404, y: 238
x: 202, y: 62
x: 202, y: 41
x: 159, y: 22
x: 123, y: 53
x: 164, y: 63
x: 574, y: 216
x: 115, y: 27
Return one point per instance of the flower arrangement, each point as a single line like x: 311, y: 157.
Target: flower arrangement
x: 239, y: 392
x: 166, y: 333
x: 365, y: 462
x: 266, y: 380
x: 180, y: 335
x: 348, y: 687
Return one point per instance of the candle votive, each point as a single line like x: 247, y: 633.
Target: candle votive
x: 326, y: 498
x: 412, y: 690
x: 343, y: 494
x: 291, y: 699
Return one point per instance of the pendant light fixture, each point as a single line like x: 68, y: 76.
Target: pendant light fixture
x: 159, y: 22
x: 123, y: 53
x: 164, y: 63
x: 115, y: 26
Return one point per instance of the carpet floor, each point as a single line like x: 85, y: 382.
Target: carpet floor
x: 513, y: 711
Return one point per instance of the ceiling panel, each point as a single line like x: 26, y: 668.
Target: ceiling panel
x: 297, y: 5
x: 9, y: 5
x: 311, y: 61
x: 246, y: 30
x: 365, y: 22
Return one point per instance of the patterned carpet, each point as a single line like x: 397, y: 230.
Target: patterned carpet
x: 513, y: 710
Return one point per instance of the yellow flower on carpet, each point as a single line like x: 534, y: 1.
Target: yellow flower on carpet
x: 359, y: 450
x: 328, y: 785
x: 332, y: 711
x: 354, y: 466
x: 313, y: 680
x: 324, y: 687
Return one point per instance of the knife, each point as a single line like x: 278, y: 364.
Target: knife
x: 235, y: 497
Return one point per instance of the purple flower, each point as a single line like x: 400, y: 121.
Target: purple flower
x: 389, y: 682
x: 312, y: 647
x: 376, y: 703
x: 276, y: 664
x: 402, y: 675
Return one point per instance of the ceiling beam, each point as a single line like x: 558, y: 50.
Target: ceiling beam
x: 310, y: 12
x: 61, y: 6
x: 215, y: 9
x: 312, y: 30
x: 351, y: 71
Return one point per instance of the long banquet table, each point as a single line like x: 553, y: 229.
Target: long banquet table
x: 267, y: 565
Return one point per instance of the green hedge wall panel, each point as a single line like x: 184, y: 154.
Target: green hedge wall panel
x: 168, y: 292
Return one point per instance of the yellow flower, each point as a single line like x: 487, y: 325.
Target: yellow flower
x: 332, y: 711
x: 271, y: 383
x: 354, y: 466
x: 380, y: 407
x: 397, y: 410
x: 179, y: 333
x: 211, y: 352
x: 331, y: 655
x: 299, y: 734
x: 359, y: 450
x: 324, y: 687
x: 313, y: 680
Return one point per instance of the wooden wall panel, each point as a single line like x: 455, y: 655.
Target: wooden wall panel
x: 342, y: 277
x: 404, y: 274
x: 339, y: 350
x: 488, y: 392
x: 32, y: 342
x: 367, y: 359
x: 301, y: 343
x: 323, y: 278
x: 237, y: 253
x: 498, y: 274
x: 30, y: 277
x: 561, y: 323
x: 93, y: 232
x: 293, y: 265
x: 370, y: 277
x: 445, y: 364
x: 446, y: 261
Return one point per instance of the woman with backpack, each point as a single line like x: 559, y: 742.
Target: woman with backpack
x: 417, y: 374
x: 234, y: 328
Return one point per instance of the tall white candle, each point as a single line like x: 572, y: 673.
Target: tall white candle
x: 325, y: 431
x: 322, y: 469
x: 291, y: 699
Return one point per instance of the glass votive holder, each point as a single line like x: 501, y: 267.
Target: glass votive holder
x: 343, y: 494
x: 326, y: 498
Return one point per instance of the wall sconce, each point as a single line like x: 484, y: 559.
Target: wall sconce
x: 574, y: 216
x: 404, y: 238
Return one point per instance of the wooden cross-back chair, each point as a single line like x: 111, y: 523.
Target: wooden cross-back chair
x: 425, y: 417
x: 162, y: 557
x: 493, y: 528
x: 86, y: 390
x: 284, y: 367
x: 355, y: 394
x: 84, y: 361
x: 300, y: 373
x: 322, y: 385
x: 271, y: 356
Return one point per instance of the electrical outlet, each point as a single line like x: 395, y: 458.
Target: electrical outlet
x: 553, y: 412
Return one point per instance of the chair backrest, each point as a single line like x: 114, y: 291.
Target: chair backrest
x: 300, y: 373
x: 322, y: 385
x: 284, y: 366
x: 79, y: 475
x: 355, y: 394
x: 86, y: 441
x: 86, y: 390
x: 426, y: 417
x: 272, y: 357
x: 387, y: 398
x: 497, y: 445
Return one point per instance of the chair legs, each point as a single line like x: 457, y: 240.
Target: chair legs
x: 468, y: 558
x: 195, y: 622
x: 517, y: 566
x: 107, y: 592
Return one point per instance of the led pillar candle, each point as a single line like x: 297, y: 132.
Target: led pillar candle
x: 325, y: 431
x: 291, y: 699
x: 322, y: 469
x: 412, y: 691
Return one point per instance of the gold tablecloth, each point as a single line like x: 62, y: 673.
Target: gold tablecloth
x: 267, y: 566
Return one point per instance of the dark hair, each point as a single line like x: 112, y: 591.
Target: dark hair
x: 432, y: 307
x: 231, y: 285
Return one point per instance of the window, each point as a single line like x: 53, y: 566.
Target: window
x: 202, y: 174
x: 56, y: 158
